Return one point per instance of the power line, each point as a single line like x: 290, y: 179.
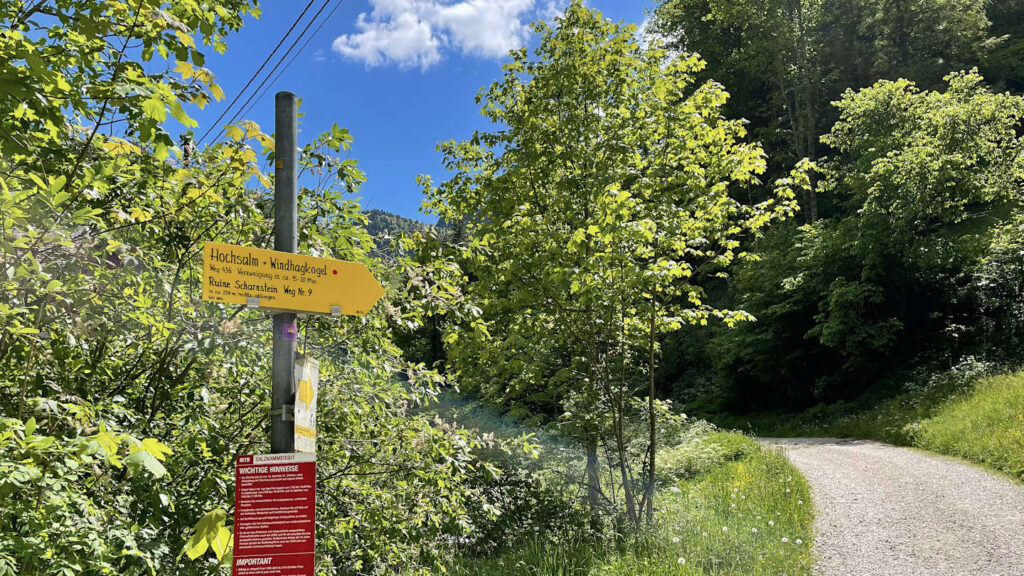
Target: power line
x: 283, y: 56
x: 257, y: 73
x: 286, y: 66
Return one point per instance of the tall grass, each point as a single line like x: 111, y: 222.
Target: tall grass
x: 729, y: 508
x: 986, y: 425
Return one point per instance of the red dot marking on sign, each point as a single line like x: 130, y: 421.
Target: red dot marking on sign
x: 335, y: 272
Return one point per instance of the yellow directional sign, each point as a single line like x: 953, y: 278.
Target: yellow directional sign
x: 305, y: 382
x: 285, y: 281
x: 305, y: 393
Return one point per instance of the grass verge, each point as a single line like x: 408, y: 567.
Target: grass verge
x: 727, y: 507
x: 973, y: 416
x: 986, y: 425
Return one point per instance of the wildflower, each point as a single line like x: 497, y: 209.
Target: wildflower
x: 704, y: 534
x: 787, y: 490
x: 725, y: 528
x: 799, y: 541
x: 800, y: 502
x: 681, y: 561
x: 754, y: 530
x: 785, y: 540
x: 675, y: 540
x: 732, y: 505
x: 771, y: 522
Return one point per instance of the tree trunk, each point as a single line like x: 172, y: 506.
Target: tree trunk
x: 627, y: 485
x: 593, y: 482
x: 652, y: 421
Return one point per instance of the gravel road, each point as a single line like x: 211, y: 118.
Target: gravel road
x: 888, y: 511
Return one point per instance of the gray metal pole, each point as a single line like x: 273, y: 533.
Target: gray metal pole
x: 286, y: 239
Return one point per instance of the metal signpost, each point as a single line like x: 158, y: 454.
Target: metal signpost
x: 275, y: 494
x: 286, y: 239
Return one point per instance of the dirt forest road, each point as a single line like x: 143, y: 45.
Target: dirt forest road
x: 888, y: 511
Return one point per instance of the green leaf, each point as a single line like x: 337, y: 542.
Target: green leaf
x: 154, y: 447
x: 57, y: 184
x: 107, y: 441
x: 154, y: 109
x: 179, y: 114
x: 234, y: 132
x: 140, y: 459
x: 209, y: 531
x: 221, y: 542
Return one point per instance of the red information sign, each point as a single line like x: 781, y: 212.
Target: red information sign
x: 275, y: 515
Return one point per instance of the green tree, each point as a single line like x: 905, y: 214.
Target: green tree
x: 920, y: 181
x: 595, y: 212
x: 767, y: 54
x: 1004, y: 65
x: 784, y: 61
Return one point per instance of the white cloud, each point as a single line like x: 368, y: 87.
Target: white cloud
x: 554, y: 9
x: 417, y: 33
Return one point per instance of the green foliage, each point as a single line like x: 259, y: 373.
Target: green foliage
x: 730, y: 482
x: 124, y: 398
x: 49, y: 486
x: 209, y: 534
x: 999, y: 281
x: 913, y: 264
x: 1004, y: 65
x: 381, y: 223
x: 785, y: 61
x: 594, y: 216
x: 700, y: 453
x: 915, y: 259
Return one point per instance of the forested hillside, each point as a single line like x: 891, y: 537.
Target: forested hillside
x: 380, y: 223
x: 906, y: 255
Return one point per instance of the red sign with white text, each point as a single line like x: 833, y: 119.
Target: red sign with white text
x: 275, y: 515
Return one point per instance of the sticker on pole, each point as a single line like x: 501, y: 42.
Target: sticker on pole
x: 306, y: 388
x: 275, y: 515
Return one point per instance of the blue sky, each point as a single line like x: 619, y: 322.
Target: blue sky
x: 401, y: 75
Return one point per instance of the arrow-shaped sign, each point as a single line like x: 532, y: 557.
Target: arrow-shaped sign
x: 285, y: 281
x: 305, y: 393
